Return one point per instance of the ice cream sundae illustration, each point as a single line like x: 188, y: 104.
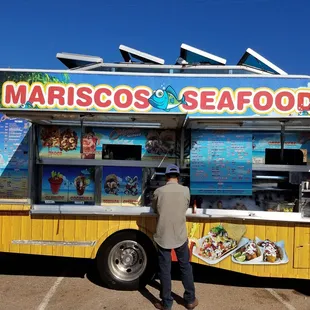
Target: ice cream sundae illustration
x: 55, y: 181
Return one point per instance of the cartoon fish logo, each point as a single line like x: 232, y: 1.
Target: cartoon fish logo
x: 303, y: 113
x: 27, y: 105
x: 166, y: 99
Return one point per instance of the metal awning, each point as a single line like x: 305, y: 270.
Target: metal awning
x: 111, y: 119
x: 193, y: 55
x: 128, y: 53
x: 262, y: 123
x: 254, y: 60
x: 72, y: 61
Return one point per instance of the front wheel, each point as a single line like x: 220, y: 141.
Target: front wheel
x: 127, y: 260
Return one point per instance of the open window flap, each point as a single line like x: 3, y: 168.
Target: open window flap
x: 248, y: 123
x: 254, y: 60
x: 111, y: 119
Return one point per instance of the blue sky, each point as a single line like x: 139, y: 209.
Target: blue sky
x: 33, y: 31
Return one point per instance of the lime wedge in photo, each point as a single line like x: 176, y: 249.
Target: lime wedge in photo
x: 241, y: 258
x: 237, y: 254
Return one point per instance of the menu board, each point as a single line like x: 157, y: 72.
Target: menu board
x: 13, y: 158
x: 221, y: 163
x: 13, y: 184
x: 121, y: 186
x: 13, y: 143
x: 63, y: 184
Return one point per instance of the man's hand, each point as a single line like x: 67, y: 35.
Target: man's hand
x: 154, y: 202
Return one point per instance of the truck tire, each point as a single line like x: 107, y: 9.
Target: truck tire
x: 127, y: 260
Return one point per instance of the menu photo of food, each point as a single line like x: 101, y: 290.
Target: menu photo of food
x: 58, y: 141
x: 220, y: 242
x: 132, y: 186
x: 67, y: 184
x: 121, y: 186
x: 111, y: 180
x: 54, y: 185
x: 258, y: 252
x: 82, y: 185
x: 90, y: 143
x: 160, y: 143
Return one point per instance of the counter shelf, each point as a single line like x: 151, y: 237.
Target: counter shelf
x: 58, y: 209
x: 107, y: 163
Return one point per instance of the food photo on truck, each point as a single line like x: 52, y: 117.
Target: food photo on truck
x: 82, y: 151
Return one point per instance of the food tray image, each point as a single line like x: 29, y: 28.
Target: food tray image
x: 259, y: 260
x: 211, y: 261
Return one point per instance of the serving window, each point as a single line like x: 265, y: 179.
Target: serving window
x: 93, y: 165
x: 248, y: 170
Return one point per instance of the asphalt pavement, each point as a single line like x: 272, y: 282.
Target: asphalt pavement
x: 36, y: 282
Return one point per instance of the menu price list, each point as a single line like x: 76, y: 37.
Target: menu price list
x: 221, y: 163
x: 13, y: 143
x: 13, y: 184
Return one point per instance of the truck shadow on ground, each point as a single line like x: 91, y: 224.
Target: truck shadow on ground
x: 44, y: 266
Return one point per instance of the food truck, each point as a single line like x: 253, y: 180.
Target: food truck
x: 83, y: 149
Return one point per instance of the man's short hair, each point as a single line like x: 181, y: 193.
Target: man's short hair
x: 172, y: 175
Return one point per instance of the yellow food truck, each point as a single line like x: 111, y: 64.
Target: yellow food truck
x: 82, y: 151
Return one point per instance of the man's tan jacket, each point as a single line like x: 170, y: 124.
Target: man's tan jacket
x: 170, y: 203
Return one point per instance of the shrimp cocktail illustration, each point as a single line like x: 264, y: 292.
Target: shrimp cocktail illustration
x: 55, y: 181
x: 80, y: 183
x: 89, y: 141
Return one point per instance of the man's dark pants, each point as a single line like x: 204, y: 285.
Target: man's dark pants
x: 164, y: 261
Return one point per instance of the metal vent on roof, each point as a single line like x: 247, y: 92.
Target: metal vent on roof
x: 77, y: 60
x: 192, y: 55
x: 129, y: 53
x: 254, y: 60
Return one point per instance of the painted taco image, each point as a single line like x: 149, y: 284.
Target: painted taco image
x: 271, y: 252
x: 248, y: 252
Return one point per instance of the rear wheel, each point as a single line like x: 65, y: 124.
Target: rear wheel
x: 127, y: 260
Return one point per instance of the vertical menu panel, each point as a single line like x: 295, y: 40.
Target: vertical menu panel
x: 13, y: 158
x: 221, y: 163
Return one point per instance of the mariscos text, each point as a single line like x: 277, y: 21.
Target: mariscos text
x: 125, y: 98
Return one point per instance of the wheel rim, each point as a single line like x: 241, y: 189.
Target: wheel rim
x: 127, y: 260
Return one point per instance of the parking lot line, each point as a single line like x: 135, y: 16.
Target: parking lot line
x: 50, y: 294
x: 280, y: 299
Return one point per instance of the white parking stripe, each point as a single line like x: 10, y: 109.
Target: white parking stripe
x: 279, y: 298
x: 49, y: 294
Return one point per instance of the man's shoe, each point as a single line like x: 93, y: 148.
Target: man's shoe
x: 192, y: 305
x: 160, y: 306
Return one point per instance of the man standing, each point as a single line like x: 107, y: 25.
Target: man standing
x: 171, y: 203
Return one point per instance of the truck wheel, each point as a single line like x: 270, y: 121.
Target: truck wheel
x: 127, y: 260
